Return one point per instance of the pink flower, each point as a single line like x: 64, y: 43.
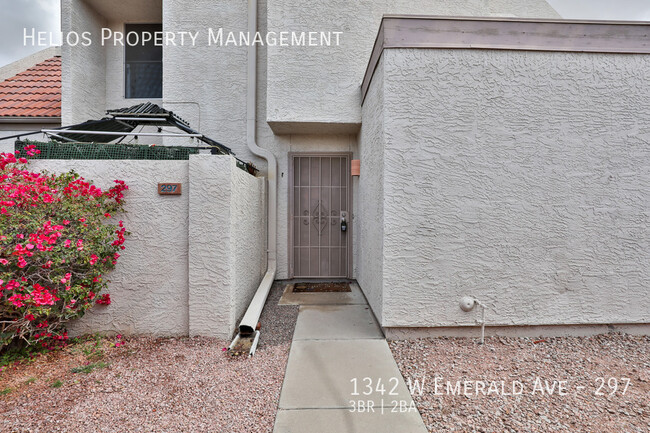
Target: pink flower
x: 105, y: 299
x: 30, y: 317
x: 93, y: 259
x: 67, y: 243
x: 21, y: 262
x: 16, y: 299
x: 4, y: 261
x: 107, y: 215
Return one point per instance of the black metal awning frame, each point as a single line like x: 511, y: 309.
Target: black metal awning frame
x: 122, y: 122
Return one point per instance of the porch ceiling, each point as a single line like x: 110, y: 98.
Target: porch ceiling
x: 134, y: 11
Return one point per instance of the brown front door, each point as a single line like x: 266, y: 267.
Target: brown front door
x: 319, y: 197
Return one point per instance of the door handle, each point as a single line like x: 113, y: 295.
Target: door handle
x: 344, y: 222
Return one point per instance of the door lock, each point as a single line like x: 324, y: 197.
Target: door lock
x: 344, y: 222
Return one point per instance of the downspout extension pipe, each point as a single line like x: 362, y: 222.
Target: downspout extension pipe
x: 249, y: 322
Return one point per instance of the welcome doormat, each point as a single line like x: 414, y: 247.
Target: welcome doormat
x: 321, y: 287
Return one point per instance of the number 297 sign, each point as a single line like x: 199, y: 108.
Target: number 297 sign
x: 169, y: 188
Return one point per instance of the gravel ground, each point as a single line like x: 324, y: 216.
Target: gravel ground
x: 579, y: 361
x: 154, y: 384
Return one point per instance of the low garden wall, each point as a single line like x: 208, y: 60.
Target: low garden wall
x: 192, y: 261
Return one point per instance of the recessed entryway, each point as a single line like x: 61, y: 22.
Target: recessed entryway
x: 320, y: 221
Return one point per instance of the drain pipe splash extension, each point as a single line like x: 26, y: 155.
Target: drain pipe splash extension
x: 251, y: 317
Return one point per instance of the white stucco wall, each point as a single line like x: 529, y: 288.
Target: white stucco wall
x: 149, y: 286
x: 7, y: 146
x: 317, y: 88
x: 215, y: 102
x: 83, y: 69
x: 228, y: 246
x: 206, y: 85
x: 520, y: 178
x: 248, y: 239
x: 93, y: 76
x: 192, y: 262
x: 209, y: 236
x: 370, y: 225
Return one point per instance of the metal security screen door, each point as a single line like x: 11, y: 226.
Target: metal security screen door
x: 320, y: 224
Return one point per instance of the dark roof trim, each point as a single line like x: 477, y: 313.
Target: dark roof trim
x: 411, y: 31
x: 16, y: 119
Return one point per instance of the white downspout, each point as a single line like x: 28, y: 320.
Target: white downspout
x: 251, y: 317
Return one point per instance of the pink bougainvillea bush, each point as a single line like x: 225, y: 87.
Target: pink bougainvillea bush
x: 57, y: 242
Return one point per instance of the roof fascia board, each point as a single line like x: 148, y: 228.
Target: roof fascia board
x: 16, y: 119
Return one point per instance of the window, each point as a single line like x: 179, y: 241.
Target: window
x: 143, y: 63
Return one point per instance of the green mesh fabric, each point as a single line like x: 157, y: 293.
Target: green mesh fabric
x: 55, y: 150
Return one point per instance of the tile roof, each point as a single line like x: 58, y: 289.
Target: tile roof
x: 35, y: 92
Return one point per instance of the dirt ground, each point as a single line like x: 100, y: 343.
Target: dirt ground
x: 593, y: 384
x: 152, y: 384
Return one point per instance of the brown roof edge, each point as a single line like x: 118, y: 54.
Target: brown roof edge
x: 415, y: 31
x: 25, y: 119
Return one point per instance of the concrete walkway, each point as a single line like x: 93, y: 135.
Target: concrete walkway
x: 338, y: 344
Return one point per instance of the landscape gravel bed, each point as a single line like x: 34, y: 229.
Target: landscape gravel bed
x: 153, y: 384
x: 566, y: 384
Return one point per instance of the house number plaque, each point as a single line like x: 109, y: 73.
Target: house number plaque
x: 169, y: 188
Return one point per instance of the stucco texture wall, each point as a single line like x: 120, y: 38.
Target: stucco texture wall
x: 216, y: 106
x: 149, y: 286
x: 370, y: 231
x: 519, y: 178
x: 227, y: 243
x: 248, y: 239
x: 316, y: 88
x: 193, y: 261
x: 206, y: 85
x: 83, y: 69
x: 7, y: 146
